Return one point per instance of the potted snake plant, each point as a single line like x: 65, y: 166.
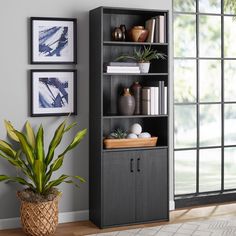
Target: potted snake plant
x: 39, y: 199
x: 143, y: 56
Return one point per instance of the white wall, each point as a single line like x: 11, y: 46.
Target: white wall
x: 15, y: 84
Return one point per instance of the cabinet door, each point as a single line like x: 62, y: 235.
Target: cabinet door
x: 118, y: 188
x: 151, y: 185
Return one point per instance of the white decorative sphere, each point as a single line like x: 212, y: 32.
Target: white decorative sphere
x: 132, y: 135
x: 144, y: 135
x: 136, y: 129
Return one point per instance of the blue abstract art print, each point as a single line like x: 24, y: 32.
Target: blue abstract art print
x: 53, y: 40
x: 53, y: 92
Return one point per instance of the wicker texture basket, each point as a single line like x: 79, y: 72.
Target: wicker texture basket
x: 39, y: 219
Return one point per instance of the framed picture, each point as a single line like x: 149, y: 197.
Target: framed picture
x: 53, y: 40
x: 53, y: 92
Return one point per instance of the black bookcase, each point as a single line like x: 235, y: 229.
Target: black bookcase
x: 129, y: 185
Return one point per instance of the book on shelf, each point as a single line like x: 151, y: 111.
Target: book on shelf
x: 159, y: 31
x: 150, y: 26
x: 146, y: 99
x: 118, y: 63
x: 154, y: 100
x: 121, y: 67
x: 162, y: 37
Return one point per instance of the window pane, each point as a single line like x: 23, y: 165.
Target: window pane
x: 210, y: 80
x: 185, y: 126
x: 210, y: 36
x: 230, y: 80
x: 185, y: 6
x: 209, y: 170
x: 210, y: 125
x: 184, y: 36
x: 210, y: 6
x: 185, y: 80
x: 185, y: 172
x: 230, y: 124
x: 229, y: 7
x: 229, y: 36
x: 229, y: 168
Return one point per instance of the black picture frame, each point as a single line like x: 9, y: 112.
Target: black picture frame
x: 53, y: 40
x: 53, y: 92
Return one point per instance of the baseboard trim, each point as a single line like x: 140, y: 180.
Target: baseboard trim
x: 64, y: 217
x: 171, y: 205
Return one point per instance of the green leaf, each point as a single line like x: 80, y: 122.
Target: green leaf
x: 10, y: 131
x: 80, y: 178
x: 40, y: 144
x: 78, y: 137
x: 30, y: 134
x: 70, y: 126
x: 39, y: 173
x: 16, y: 180
x: 72, y: 182
x: 7, y: 149
x: 3, y: 178
x: 55, y: 142
x: 56, y: 182
x: 26, y: 147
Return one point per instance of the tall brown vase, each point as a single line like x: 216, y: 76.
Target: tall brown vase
x: 126, y: 103
x: 136, y: 90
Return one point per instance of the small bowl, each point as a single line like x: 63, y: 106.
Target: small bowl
x: 138, y: 34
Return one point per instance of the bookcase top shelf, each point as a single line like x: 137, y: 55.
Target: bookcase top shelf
x: 139, y: 74
x: 127, y: 43
x: 132, y: 116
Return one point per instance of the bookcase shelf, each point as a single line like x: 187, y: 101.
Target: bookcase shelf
x: 127, y: 185
x: 140, y: 148
x: 120, y: 43
x: 132, y: 117
x: 136, y: 74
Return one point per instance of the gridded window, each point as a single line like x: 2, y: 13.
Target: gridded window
x: 204, y: 96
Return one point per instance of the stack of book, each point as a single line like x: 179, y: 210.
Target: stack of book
x: 154, y: 100
x: 121, y: 67
x: 157, y: 29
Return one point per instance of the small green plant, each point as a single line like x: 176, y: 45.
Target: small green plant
x: 145, y: 54
x: 118, y: 134
x: 36, y: 166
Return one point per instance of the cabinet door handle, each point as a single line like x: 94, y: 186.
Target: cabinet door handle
x: 131, y: 165
x: 138, y: 165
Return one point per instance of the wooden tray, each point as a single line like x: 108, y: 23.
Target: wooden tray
x: 130, y: 143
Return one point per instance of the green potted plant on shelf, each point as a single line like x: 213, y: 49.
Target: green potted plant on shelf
x: 143, y: 56
x: 39, y: 200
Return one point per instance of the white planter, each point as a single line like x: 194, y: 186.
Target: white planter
x: 144, y: 67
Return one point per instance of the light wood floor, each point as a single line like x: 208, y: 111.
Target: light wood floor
x: 177, y: 216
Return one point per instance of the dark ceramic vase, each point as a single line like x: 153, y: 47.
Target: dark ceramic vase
x: 136, y: 91
x: 117, y: 34
x: 126, y: 103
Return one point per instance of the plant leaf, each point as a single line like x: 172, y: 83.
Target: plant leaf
x: 55, y: 142
x: 26, y: 147
x: 39, y: 173
x: 39, y: 144
x: 30, y: 134
x: 78, y: 137
x: 10, y: 130
x: 70, y: 126
x: 56, y: 182
x: 80, y: 178
x: 7, y: 149
x: 16, y: 180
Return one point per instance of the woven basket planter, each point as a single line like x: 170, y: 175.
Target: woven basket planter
x: 39, y: 219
